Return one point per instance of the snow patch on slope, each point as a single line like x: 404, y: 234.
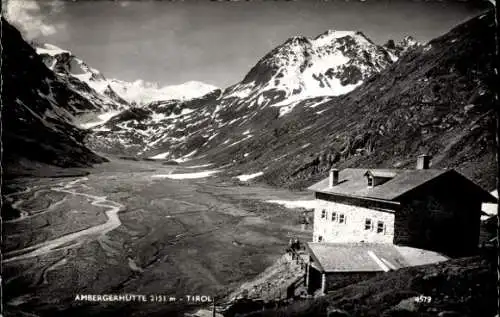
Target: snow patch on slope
x: 490, y: 209
x: 244, y: 178
x: 307, y: 204
x: 102, y: 118
x: 186, y: 175
x: 186, y: 157
x: 199, y: 166
x: 160, y: 156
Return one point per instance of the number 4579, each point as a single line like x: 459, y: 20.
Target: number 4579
x: 423, y: 299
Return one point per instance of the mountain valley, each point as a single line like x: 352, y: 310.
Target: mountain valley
x: 129, y: 187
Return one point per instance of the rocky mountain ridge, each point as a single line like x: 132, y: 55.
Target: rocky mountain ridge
x: 38, y: 110
x: 78, y: 75
x: 114, y: 93
x: 331, y: 64
x: 334, y: 63
x: 436, y: 98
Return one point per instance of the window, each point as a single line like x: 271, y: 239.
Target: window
x: 323, y: 213
x: 338, y: 217
x: 334, y: 216
x: 341, y: 218
x: 320, y: 238
x: 380, y: 227
x: 370, y: 181
x: 368, y: 224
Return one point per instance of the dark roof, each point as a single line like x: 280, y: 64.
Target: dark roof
x: 368, y: 257
x: 353, y: 183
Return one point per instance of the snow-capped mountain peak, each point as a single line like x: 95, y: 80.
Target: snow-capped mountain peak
x: 301, y: 73
x: 116, y: 91
x: 63, y: 61
x: 88, y: 81
x: 331, y: 35
x: 331, y: 64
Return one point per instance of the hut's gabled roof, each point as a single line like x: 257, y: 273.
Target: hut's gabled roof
x: 352, y: 182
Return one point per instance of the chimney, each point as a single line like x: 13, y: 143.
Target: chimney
x: 334, y: 177
x: 423, y: 162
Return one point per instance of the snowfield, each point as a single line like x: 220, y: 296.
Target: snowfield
x: 186, y: 157
x: 102, y: 118
x: 308, y: 204
x: 244, y: 178
x: 490, y: 209
x: 160, y: 156
x: 200, y: 166
x: 186, y: 175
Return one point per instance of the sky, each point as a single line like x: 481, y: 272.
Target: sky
x: 216, y: 42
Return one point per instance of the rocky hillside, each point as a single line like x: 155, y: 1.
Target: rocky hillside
x: 436, y: 99
x: 37, y: 110
x: 331, y: 64
x: 162, y: 129
x: 463, y: 287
